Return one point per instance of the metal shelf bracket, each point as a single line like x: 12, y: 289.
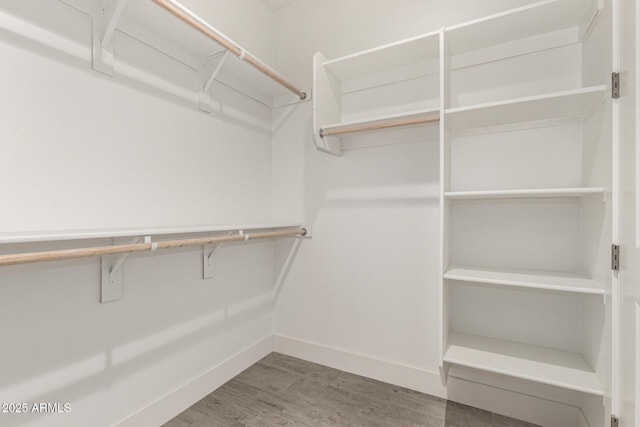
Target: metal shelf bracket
x: 104, y: 28
x: 111, y: 284
x: 208, y: 259
x: 210, y: 69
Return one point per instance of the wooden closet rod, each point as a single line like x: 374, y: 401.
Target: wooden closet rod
x: 199, y: 24
x: 26, y: 258
x: 379, y: 125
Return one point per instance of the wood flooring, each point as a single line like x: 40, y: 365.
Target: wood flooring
x: 281, y: 390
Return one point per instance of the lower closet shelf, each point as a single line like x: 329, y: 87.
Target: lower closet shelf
x: 545, y: 280
x: 540, y: 364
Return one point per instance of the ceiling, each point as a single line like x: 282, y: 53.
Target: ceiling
x: 278, y: 4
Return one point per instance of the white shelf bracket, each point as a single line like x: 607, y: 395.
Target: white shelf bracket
x: 444, y: 374
x: 111, y: 285
x: 207, y: 78
x: 104, y: 28
x: 208, y: 259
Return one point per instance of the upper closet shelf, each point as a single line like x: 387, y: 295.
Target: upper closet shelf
x: 172, y: 28
x: 51, y: 236
x: 391, y: 56
x: 543, y: 280
x: 524, y: 22
x: 538, y: 193
x: 574, y: 104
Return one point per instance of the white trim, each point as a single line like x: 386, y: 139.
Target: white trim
x: 512, y: 402
x: 169, y: 406
x: 410, y: 377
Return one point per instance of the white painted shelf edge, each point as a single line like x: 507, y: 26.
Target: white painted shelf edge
x: 529, y: 362
x: 50, y: 236
x: 544, y: 280
x: 382, y: 119
x: 525, y: 193
x: 376, y: 49
x: 527, y: 99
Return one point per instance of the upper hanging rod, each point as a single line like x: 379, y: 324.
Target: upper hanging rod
x: 26, y: 258
x: 362, y: 127
x: 199, y: 24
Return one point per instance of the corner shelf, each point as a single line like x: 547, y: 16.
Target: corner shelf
x: 524, y: 194
x: 407, y: 60
x: 556, y: 105
x: 529, y: 362
x: 543, y: 280
x: 383, y: 58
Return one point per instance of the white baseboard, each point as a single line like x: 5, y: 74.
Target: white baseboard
x: 174, y: 403
x: 405, y: 376
x: 532, y: 409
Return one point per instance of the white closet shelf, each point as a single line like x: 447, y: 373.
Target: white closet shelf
x: 540, y: 364
x: 523, y: 22
x: 153, y: 25
x: 538, y: 193
x: 383, y: 58
x: 574, y: 103
x: 50, y: 236
x: 381, y: 121
x: 545, y: 280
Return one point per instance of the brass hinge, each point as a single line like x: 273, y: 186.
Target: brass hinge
x: 614, y: 421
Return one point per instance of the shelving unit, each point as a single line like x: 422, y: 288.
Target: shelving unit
x: 345, y: 90
x: 528, y: 362
x: 493, y: 93
x: 499, y: 298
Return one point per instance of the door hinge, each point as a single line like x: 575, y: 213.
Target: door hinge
x: 615, y: 85
x: 615, y: 257
x: 614, y: 421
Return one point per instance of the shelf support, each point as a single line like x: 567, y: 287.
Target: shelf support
x: 111, y: 285
x: 208, y: 258
x: 444, y: 373
x: 104, y: 29
x: 207, y: 79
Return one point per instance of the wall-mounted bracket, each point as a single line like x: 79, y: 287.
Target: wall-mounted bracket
x: 104, y: 28
x: 210, y: 69
x: 444, y: 374
x: 111, y: 285
x: 208, y: 259
x: 309, y: 232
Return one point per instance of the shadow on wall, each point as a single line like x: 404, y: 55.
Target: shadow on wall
x: 137, y: 65
x: 60, y: 343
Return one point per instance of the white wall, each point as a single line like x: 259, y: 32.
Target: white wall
x: 82, y: 150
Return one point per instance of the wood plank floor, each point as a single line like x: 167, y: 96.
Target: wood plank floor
x: 284, y: 391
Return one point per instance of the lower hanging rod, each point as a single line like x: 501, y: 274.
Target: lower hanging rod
x: 387, y: 124
x: 26, y: 258
x: 205, y: 28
